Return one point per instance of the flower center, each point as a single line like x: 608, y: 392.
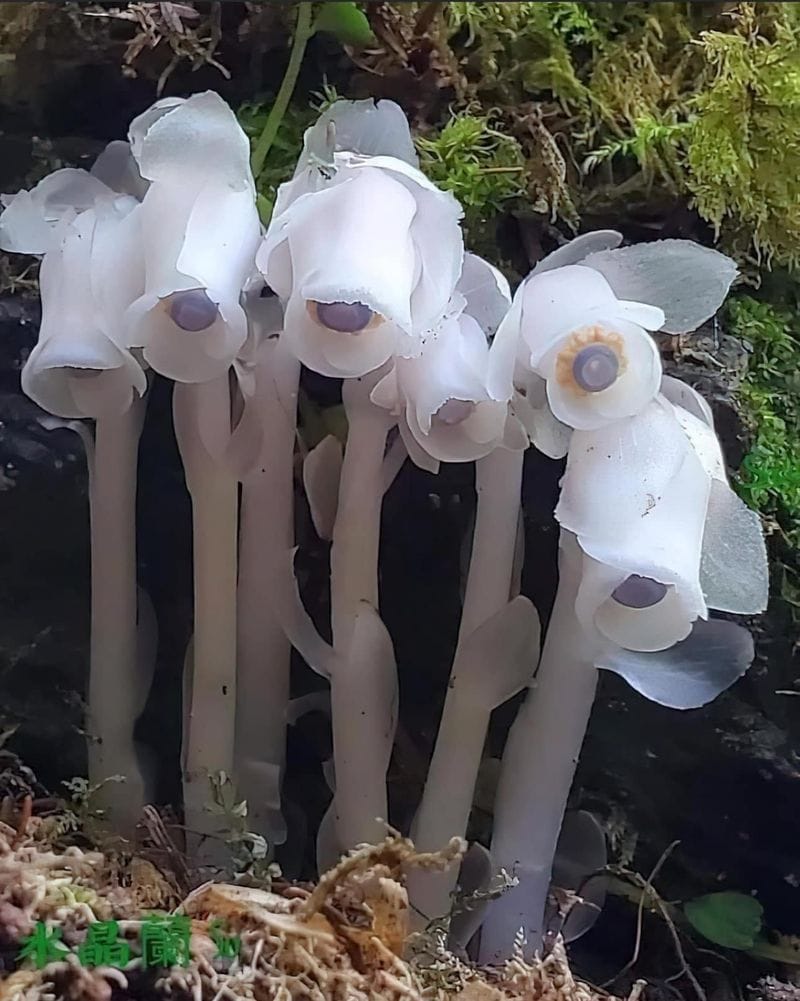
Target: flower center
x: 595, y: 368
x: 193, y: 310
x: 639, y: 592
x: 454, y: 412
x: 344, y: 317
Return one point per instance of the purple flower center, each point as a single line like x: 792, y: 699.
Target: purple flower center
x: 344, y: 317
x: 639, y: 592
x: 193, y: 310
x: 595, y: 368
x: 454, y: 412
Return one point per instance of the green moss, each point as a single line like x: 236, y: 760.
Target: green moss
x: 744, y: 145
x: 769, y: 478
x: 483, y: 168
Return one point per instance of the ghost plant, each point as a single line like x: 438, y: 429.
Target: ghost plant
x: 647, y: 522
x: 81, y: 368
x: 365, y: 254
x: 200, y: 230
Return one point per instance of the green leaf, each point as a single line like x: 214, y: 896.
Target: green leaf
x: 346, y: 22
x: 732, y: 920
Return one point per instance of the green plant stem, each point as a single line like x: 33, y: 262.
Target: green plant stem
x: 303, y: 32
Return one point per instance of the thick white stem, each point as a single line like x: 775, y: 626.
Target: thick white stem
x: 538, y: 767
x: 115, y: 695
x: 266, y: 538
x: 450, y: 786
x: 209, y: 742
x: 359, y: 752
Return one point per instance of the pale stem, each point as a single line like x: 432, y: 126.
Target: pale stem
x: 209, y: 740
x: 360, y: 796
x: 450, y: 786
x: 538, y: 767
x: 264, y: 652
x: 115, y: 688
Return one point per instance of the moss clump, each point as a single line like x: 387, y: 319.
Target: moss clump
x: 744, y: 144
x: 483, y: 167
x: 769, y: 478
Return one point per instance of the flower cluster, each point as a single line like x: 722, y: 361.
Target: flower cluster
x: 155, y: 262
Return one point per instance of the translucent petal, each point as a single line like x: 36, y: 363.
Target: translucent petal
x: 117, y: 168
x: 333, y: 354
x: 437, y: 238
x: 76, y: 370
x: 486, y: 291
x: 141, y: 124
x: 29, y: 217
x: 690, y: 674
x: 364, y: 127
x: 545, y: 431
x: 644, y: 453
x: 688, y: 281
x: 483, y: 431
x: 636, y: 386
x: 663, y: 545
x: 194, y: 239
x: 734, y: 572
x: 704, y: 441
x: 416, y: 453
x: 352, y: 243
x: 680, y: 394
x: 185, y: 142
x: 579, y: 248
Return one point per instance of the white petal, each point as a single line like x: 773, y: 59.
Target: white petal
x: 486, y: 291
x: 472, y: 439
x: 554, y: 303
x: 507, y: 348
x: 734, y: 572
x: 579, y: 248
x: 352, y: 243
x: 437, y: 238
x: 531, y: 407
x: 690, y: 674
x: 186, y: 142
x: 194, y: 239
x: 141, y: 124
x: 29, y: 217
x: 321, y: 471
x: 644, y: 453
x: 335, y: 354
x: 416, y: 452
x: 704, y: 441
x: 117, y: 168
x: 680, y: 394
x: 636, y: 386
x: 364, y: 127
x: 687, y: 281
x: 73, y: 339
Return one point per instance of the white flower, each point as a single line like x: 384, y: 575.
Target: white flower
x: 91, y: 272
x: 662, y: 537
x: 79, y: 368
x: 365, y: 252
x: 582, y: 318
x: 449, y: 410
x: 200, y: 230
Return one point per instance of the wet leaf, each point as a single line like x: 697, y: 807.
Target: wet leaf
x: 345, y: 22
x: 732, y: 920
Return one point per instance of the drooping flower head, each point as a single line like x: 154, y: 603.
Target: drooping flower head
x: 449, y: 409
x: 91, y: 271
x: 363, y: 249
x: 660, y: 538
x: 200, y: 232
